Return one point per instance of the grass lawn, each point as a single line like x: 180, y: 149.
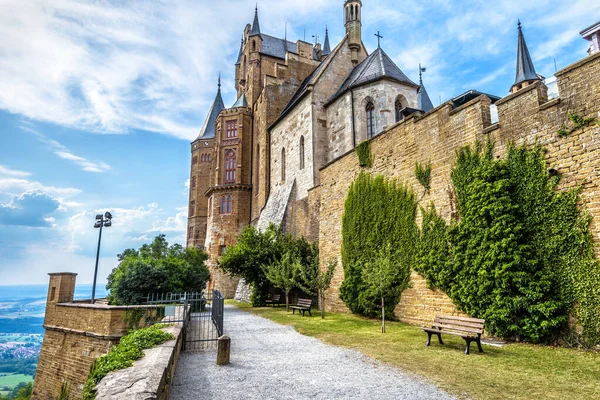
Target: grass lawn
x: 515, y: 371
x: 13, y: 380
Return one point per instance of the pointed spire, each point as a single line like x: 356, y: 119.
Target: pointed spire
x: 525, y: 69
x: 423, y: 101
x: 326, y: 46
x: 208, y: 129
x: 255, y: 25
x: 239, y: 59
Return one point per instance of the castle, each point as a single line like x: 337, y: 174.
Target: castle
x: 284, y: 152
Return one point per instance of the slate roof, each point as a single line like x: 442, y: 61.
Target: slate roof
x: 208, y: 129
x: 239, y: 59
x: 326, y: 46
x: 255, y: 25
x: 423, y: 101
x: 470, y: 95
x: 376, y: 66
x: 525, y: 69
x: 241, y: 101
x: 276, y: 47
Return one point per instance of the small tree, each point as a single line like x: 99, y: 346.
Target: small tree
x: 313, y: 280
x: 282, y: 274
x: 381, y: 278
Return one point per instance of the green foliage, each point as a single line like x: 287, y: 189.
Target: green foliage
x: 363, y: 151
x: 521, y: 255
x: 156, y: 268
x: 20, y: 392
x: 123, y: 355
x: 577, y: 123
x: 377, y: 212
x: 65, y: 392
x: 255, y: 250
x: 423, y: 175
x: 282, y: 274
x: 312, y: 280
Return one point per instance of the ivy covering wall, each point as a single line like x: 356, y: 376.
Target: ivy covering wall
x: 379, y: 213
x: 521, y: 255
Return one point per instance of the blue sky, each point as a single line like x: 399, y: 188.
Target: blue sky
x: 100, y: 99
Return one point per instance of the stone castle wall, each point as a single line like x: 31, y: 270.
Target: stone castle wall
x: 526, y: 117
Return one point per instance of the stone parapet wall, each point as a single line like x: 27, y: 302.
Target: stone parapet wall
x: 526, y: 117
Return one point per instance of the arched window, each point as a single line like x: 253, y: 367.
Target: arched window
x: 257, y: 169
x: 254, y: 45
x: 245, y: 68
x: 351, y: 13
x: 356, y: 12
x: 230, y: 166
x: 370, y: 109
x: 301, y: 152
x: 193, y: 182
x: 398, y: 106
x: 283, y: 165
x: 226, y: 204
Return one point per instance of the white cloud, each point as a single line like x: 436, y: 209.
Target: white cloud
x: 12, y: 172
x: 15, y: 187
x: 178, y: 223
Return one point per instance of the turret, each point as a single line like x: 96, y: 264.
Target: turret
x: 525, y: 74
x: 352, y: 12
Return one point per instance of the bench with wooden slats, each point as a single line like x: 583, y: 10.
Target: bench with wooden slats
x: 470, y: 329
x: 303, y: 306
x: 276, y: 299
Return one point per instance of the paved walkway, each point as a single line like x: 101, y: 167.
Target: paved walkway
x: 272, y: 361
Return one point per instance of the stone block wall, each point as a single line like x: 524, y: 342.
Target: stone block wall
x: 526, y: 117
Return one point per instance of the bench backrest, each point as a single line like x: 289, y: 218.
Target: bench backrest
x: 305, y: 302
x: 459, y: 324
x: 276, y: 297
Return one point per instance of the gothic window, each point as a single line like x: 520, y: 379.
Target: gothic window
x: 230, y: 166
x: 351, y: 13
x: 302, y: 152
x: 283, y: 165
x: 192, y: 211
x: 226, y: 204
x: 398, y: 106
x: 257, y: 169
x: 190, y: 233
x: 370, y: 109
x: 254, y: 45
x: 231, y: 127
x: 194, y: 160
x: 193, y: 183
x: 356, y: 12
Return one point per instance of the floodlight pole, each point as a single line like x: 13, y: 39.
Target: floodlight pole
x: 97, y: 257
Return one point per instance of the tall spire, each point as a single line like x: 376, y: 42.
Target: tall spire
x: 239, y: 59
x: 525, y: 70
x: 423, y: 101
x: 326, y: 46
x: 208, y: 129
x: 255, y: 25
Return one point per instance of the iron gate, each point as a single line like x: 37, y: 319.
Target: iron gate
x: 199, y: 313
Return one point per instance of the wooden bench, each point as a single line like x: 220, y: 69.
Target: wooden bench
x: 470, y: 329
x: 303, y: 305
x: 276, y: 299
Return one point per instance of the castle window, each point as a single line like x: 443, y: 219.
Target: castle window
x: 301, y: 152
x: 351, y: 13
x: 254, y: 45
x: 226, y: 204
x: 193, y: 183
x: 398, y: 106
x: 190, y: 233
x: 192, y: 211
x: 370, y: 109
x: 194, y: 160
x: 283, y: 165
x: 231, y: 129
x: 230, y: 166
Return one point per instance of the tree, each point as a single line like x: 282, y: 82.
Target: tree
x: 282, y: 274
x: 157, y: 268
x: 313, y: 280
x: 384, y: 279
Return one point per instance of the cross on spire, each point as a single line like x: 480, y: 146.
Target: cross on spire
x: 379, y: 37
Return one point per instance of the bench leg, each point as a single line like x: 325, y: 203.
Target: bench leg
x: 309, y: 313
x: 439, y: 335
x: 479, y: 345
x: 428, y: 339
x: 293, y: 311
x: 303, y: 311
x: 467, y: 350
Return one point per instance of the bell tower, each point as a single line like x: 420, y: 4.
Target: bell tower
x: 353, y: 13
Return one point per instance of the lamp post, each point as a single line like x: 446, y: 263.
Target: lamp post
x: 101, y: 221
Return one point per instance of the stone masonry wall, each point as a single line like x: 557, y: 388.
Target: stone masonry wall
x: 526, y: 117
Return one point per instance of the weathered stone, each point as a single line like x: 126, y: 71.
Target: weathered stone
x: 223, y: 349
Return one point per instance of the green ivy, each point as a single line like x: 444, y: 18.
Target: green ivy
x: 521, y: 255
x: 363, y: 151
x: 378, y: 213
x: 577, y: 122
x: 123, y: 355
x: 423, y: 175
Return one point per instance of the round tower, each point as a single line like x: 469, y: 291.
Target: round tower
x: 353, y: 12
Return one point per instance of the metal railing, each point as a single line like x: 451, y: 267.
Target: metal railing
x: 218, y: 304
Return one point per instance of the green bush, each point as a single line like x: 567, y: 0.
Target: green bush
x: 129, y: 349
x: 363, y: 151
x: 378, y: 212
x: 157, y: 268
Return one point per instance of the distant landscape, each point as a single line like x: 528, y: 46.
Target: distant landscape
x: 21, y: 330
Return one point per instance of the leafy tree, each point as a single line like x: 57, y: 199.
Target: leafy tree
x: 314, y: 281
x: 157, y: 268
x: 282, y: 274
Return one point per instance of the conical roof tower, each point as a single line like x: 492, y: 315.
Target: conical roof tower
x: 208, y: 129
x: 255, y: 25
x: 525, y: 74
x: 423, y: 101
x: 326, y: 45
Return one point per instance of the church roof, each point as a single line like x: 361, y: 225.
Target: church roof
x: 208, y: 129
x: 241, y: 101
x: 376, y: 66
x: 255, y: 25
x: 525, y: 69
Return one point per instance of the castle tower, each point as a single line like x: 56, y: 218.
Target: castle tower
x: 353, y: 12
x: 200, y: 174
x: 423, y: 101
x: 526, y: 74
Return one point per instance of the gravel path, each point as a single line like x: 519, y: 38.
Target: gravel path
x: 272, y: 361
